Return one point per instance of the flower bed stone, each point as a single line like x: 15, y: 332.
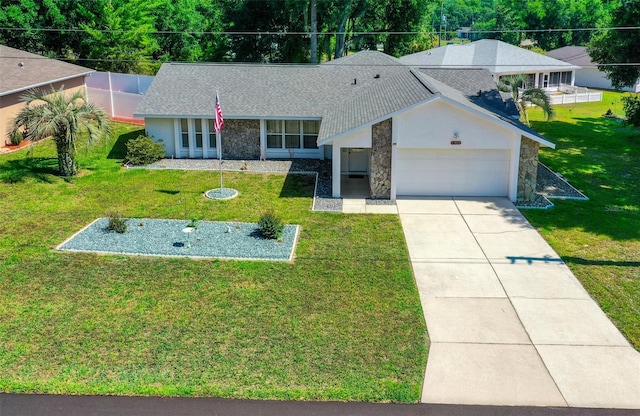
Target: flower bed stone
x: 211, y: 239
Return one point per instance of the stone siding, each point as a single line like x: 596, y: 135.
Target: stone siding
x: 380, y: 174
x: 528, y: 171
x: 241, y: 139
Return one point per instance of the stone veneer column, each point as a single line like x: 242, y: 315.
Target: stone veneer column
x: 380, y: 164
x: 241, y: 139
x: 528, y: 170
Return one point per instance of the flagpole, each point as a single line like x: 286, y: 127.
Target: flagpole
x: 219, y: 122
x: 219, y: 140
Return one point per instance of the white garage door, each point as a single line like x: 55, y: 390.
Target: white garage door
x: 452, y: 172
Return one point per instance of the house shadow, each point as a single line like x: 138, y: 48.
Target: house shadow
x: 119, y: 148
x: 41, y: 169
x: 298, y: 185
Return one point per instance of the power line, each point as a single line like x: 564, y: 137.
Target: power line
x: 471, y: 66
x: 305, y: 33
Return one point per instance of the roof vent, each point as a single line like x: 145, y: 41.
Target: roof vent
x: 479, y: 93
x: 377, y: 76
x: 20, y: 64
x: 355, y: 82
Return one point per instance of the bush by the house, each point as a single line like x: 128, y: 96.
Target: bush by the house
x: 16, y: 137
x: 631, y: 106
x: 117, y: 223
x: 143, y: 150
x: 270, y: 226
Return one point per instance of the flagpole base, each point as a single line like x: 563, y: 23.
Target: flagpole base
x: 221, y: 193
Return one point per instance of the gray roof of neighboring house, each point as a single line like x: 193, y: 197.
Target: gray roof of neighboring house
x: 478, y: 86
x: 576, y: 55
x: 493, y: 55
x: 23, y: 70
x: 346, y: 93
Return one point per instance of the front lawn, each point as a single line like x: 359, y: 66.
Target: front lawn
x: 342, y: 322
x: 599, y: 239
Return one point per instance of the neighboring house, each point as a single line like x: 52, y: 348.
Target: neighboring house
x: 499, y: 58
x: 588, y: 75
x: 21, y: 71
x: 411, y: 131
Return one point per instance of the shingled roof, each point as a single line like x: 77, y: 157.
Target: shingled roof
x: 576, y: 55
x: 345, y: 94
x: 494, y: 55
x: 22, y: 70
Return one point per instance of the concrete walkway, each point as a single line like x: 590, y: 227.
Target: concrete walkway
x: 509, y: 323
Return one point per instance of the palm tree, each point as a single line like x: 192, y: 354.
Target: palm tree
x: 62, y: 116
x: 530, y: 96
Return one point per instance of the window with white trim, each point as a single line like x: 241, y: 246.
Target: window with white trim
x: 292, y: 134
x: 198, y: 124
x: 558, y: 78
x: 184, y: 132
x: 212, y: 133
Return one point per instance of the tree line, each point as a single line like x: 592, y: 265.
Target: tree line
x: 135, y: 36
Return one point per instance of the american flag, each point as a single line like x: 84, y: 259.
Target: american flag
x: 219, y: 123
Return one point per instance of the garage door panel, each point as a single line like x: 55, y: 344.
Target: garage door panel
x: 452, y: 172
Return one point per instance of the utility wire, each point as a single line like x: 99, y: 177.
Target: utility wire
x: 471, y: 66
x: 306, y: 33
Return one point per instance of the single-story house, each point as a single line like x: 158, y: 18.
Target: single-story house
x: 21, y: 71
x: 411, y: 131
x: 501, y: 59
x: 588, y: 75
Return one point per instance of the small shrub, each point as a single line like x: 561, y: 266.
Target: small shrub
x: 16, y: 137
x: 631, y: 106
x: 143, y: 150
x: 117, y: 223
x: 270, y: 226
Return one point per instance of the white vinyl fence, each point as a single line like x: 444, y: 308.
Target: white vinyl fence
x: 573, y: 94
x: 117, y: 94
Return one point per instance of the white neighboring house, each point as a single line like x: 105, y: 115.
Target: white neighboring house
x: 588, y: 75
x: 501, y: 59
x: 409, y: 131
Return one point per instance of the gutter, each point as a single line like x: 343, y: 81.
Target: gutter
x: 84, y: 74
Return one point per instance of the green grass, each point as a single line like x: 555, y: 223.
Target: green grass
x: 599, y: 239
x: 342, y: 322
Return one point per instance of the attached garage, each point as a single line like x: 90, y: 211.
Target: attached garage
x: 452, y: 172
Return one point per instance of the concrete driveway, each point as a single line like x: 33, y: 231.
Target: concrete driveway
x: 509, y: 323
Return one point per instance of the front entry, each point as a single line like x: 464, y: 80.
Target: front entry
x: 354, y: 161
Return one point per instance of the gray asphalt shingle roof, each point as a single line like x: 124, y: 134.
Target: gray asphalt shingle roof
x: 345, y: 94
x: 576, y: 55
x: 477, y: 85
x: 493, y: 55
x: 35, y: 70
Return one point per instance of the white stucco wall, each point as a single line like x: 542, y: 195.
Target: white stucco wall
x: 434, y: 124
x: 592, y: 78
x: 162, y: 129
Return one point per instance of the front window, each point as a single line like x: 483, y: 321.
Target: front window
x: 292, y: 134
x: 274, y: 134
x: 184, y: 132
x: 198, y: 123
x: 212, y: 133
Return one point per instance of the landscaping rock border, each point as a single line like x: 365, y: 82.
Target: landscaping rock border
x: 165, y: 237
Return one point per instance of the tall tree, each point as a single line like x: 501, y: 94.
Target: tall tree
x: 403, y: 16
x: 616, y: 51
x: 120, y: 34
x: 63, y: 117
x: 27, y: 19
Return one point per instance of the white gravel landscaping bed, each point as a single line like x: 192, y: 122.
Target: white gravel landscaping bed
x: 211, y: 239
